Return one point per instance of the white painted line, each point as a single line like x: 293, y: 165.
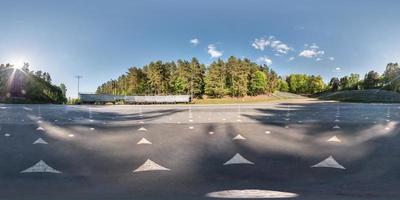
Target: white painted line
x: 336, y: 127
x: 251, y: 194
x: 337, y: 120
x: 267, y: 132
x: 190, y: 120
x: 92, y: 129
x: 150, y: 165
x: 71, y: 135
x: 334, y: 139
x: 39, y: 122
x: 40, y: 166
x: 211, y: 133
x: 40, y: 141
x: 40, y: 129
x: 239, y: 137
x: 387, y: 128
x: 329, y: 162
x: 144, y: 141
x: 142, y: 129
x: 7, y: 135
x: 191, y: 127
x: 238, y: 159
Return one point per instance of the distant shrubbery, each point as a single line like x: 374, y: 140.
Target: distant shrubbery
x: 25, y: 86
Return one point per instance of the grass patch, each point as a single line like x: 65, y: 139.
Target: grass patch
x: 276, y: 96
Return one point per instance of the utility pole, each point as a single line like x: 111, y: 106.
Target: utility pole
x: 78, y: 77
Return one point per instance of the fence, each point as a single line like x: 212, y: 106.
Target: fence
x: 96, y: 98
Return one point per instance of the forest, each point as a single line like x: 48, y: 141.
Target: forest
x: 236, y: 78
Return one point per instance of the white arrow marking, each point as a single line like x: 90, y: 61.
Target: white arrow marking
x: 144, y: 141
x: 40, y: 129
x: 149, y: 165
x: 334, y: 139
x: 251, y: 194
x: 239, y: 137
x: 336, y: 127
x: 40, y: 166
x: 142, y: 129
x: 40, y: 141
x: 238, y: 159
x: 330, y: 163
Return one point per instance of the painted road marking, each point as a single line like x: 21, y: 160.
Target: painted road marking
x: 7, y: 135
x: 40, y: 166
x: 150, y: 165
x: 142, y: 129
x: 267, y: 132
x: 40, y: 141
x: 329, y: 162
x: 239, y: 137
x: 250, y: 194
x: 40, y: 129
x: 238, y: 159
x: 211, y: 132
x: 334, y: 139
x: 191, y: 127
x: 71, y: 135
x: 144, y: 141
x: 336, y: 127
x: 92, y: 129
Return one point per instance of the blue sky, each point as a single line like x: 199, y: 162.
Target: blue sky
x: 101, y: 39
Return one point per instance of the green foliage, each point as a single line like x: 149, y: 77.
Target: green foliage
x: 305, y: 84
x: 257, y: 84
x: 282, y: 85
x: 371, y: 80
x: 24, y: 86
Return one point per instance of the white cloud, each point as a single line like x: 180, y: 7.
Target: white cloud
x: 264, y: 60
x: 318, y: 59
x: 260, y: 44
x: 338, y: 68
x: 312, y: 51
x: 291, y: 58
x: 214, y: 53
x: 194, y: 41
x: 276, y: 45
x: 331, y: 58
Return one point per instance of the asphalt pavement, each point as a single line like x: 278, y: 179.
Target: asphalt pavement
x: 303, y: 149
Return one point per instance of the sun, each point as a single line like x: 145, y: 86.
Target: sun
x: 18, y: 63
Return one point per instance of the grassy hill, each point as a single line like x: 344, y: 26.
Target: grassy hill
x: 367, y: 96
x: 18, y: 86
x: 249, y: 99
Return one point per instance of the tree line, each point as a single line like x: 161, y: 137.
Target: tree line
x: 26, y: 86
x: 388, y: 80
x: 234, y: 77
